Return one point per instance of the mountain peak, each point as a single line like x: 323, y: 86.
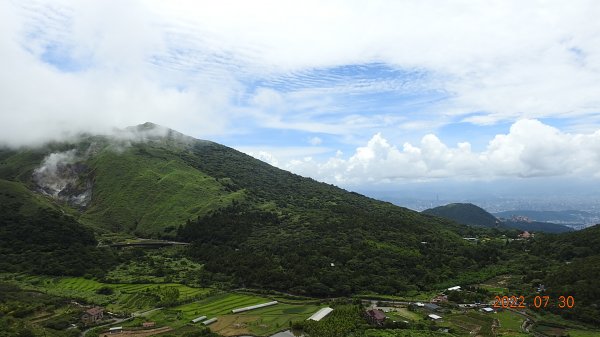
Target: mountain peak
x: 465, y: 213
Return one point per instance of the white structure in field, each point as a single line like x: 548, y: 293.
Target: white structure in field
x: 319, y: 315
x: 116, y: 329
x: 456, y: 288
x: 196, y: 320
x: 434, y: 317
x: 208, y: 321
x: 235, y: 311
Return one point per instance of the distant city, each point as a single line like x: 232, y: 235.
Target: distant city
x: 587, y: 209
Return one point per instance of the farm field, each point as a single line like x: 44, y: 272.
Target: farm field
x: 260, y: 322
x: 125, y: 297
x: 166, y: 263
x: 405, y: 333
x: 583, y: 333
x: 403, y: 314
x: 510, y: 323
x: 498, y: 285
x: 550, y: 330
x: 474, y: 323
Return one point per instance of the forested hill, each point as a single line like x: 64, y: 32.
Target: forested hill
x: 251, y: 224
x: 36, y: 237
x: 464, y: 213
x: 576, y: 270
x: 473, y: 215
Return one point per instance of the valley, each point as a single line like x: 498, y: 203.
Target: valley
x: 177, y: 229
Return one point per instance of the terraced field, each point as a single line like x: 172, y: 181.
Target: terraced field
x: 259, y: 322
x: 219, y: 305
x: 126, y: 297
x: 268, y: 320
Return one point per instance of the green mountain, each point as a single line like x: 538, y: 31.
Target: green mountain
x: 251, y: 224
x: 473, y: 215
x: 467, y: 214
x: 256, y: 226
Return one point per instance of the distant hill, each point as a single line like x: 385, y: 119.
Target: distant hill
x: 570, y: 218
x: 464, y: 213
x: 473, y: 215
x: 536, y: 226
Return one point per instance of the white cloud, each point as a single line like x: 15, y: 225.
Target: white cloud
x: 186, y: 64
x: 315, y: 141
x: 529, y: 149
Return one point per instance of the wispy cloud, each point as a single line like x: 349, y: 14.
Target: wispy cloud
x: 344, y: 69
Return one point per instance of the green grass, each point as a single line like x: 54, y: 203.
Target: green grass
x: 509, y: 320
x: 260, y: 322
x: 583, y: 333
x: 272, y: 319
x: 411, y: 296
x: 31, y: 202
x: 405, y: 333
x: 473, y: 321
x: 147, y: 189
x: 218, y: 305
x: 173, y: 268
x: 404, y: 314
x: 126, y: 297
x: 510, y: 323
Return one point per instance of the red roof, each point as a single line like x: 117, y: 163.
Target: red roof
x: 95, y: 311
x: 376, y: 314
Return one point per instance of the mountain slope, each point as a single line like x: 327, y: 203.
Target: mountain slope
x: 36, y: 237
x: 467, y: 214
x: 148, y: 189
x: 251, y: 224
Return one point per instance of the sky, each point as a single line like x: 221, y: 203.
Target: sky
x: 361, y: 94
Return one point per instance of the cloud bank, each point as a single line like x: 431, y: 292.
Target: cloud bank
x: 529, y: 149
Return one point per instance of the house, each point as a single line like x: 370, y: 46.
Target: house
x: 525, y: 235
x: 434, y: 317
x: 455, y: 288
x: 148, y: 324
x: 440, y: 299
x: 431, y: 307
x: 376, y: 316
x: 487, y: 310
x: 92, y: 315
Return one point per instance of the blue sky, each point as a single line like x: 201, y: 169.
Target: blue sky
x: 359, y: 94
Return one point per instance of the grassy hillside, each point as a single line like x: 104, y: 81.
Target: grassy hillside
x: 146, y: 189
